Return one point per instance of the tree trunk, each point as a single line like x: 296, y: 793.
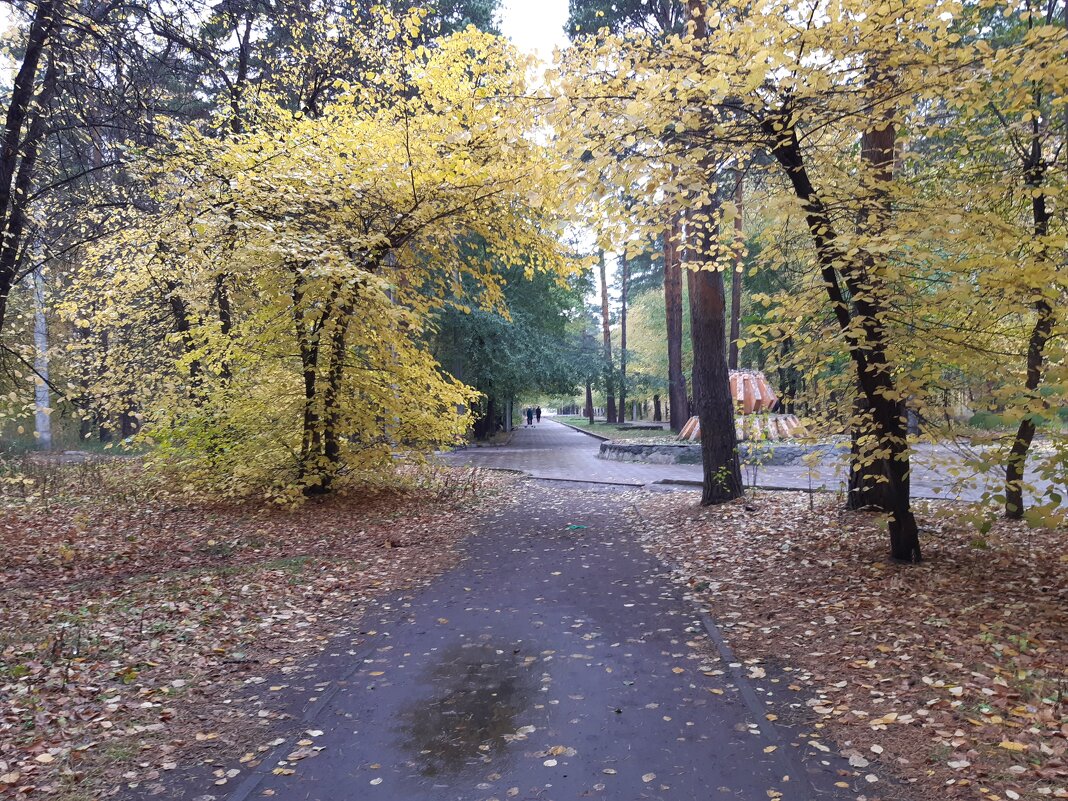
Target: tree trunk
x: 625, y: 280
x: 237, y: 88
x: 866, y: 341
x: 658, y: 413
x: 308, y: 342
x: 18, y: 154
x: 128, y: 424
x: 737, y: 275
x: 673, y: 314
x: 87, y: 420
x: 589, y: 401
x: 689, y: 256
x: 184, y: 326
x: 41, y: 395
x: 335, y: 376
x: 606, y: 332
x: 787, y: 380
x: 1015, y: 465
x: 480, y: 429
x: 712, y: 395
x: 222, y: 298
x: 869, y: 484
x: 868, y: 476
x: 100, y: 420
x: 1025, y: 432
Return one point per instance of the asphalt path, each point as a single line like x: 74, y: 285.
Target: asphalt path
x: 557, y: 661
x: 551, y: 450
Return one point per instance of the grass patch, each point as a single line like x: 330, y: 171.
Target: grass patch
x: 613, y: 432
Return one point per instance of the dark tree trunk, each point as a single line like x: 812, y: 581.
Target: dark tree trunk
x: 86, y: 425
x: 226, y: 321
x: 869, y: 486
x: 658, y: 414
x: 711, y: 376
x: 625, y: 280
x: 677, y: 405
x: 1015, y: 465
x: 128, y: 424
x: 335, y: 376
x: 689, y: 256
x: 606, y: 333
x: 869, y: 479
x: 787, y: 380
x: 222, y: 298
x: 737, y: 276
x: 486, y: 425
x: 184, y: 327
x: 859, y: 322
x: 237, y: 88
x: 1025, y: 433
x: 99, y: 421
x: 589, y: 401
x: 18, y: 155
x: 308, y: 343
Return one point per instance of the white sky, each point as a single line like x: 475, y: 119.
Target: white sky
x: 536, y: 26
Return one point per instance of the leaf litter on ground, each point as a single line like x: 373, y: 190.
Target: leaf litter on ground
x: 953, y: 673
x: 132, y: 619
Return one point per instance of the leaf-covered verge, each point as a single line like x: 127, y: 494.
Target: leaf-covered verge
x: 131, y: 619
x: 953, y: 673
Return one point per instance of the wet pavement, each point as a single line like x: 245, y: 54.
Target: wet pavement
x: 557, y: 661
x: 554, y: 451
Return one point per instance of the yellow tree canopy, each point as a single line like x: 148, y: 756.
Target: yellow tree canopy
x: 290, y: 270
x: 927, y: 264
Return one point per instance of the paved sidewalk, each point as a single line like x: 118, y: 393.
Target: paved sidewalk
x: 551, y: 450
x: 559, y: 662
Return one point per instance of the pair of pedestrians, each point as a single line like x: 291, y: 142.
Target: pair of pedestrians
x: 532, y: 413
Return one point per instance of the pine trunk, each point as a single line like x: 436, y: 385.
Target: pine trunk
x: 711, y: 376
x: 606, y: 333
x: 625, y: 279
x: 673, y: 313
x: 736, y: 277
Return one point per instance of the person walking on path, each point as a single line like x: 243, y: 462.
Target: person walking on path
x: 530, y: 417
x: 537, y: 413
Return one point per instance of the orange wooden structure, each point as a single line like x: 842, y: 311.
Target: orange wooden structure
x: 754, y: 399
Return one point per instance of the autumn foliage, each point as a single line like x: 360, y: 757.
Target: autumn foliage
x: 278, y: 297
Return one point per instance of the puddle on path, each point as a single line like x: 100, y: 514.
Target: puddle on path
x: 478, y: 692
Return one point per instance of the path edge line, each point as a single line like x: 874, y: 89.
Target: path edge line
x: 787, y: 758
x: 583, y: 431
